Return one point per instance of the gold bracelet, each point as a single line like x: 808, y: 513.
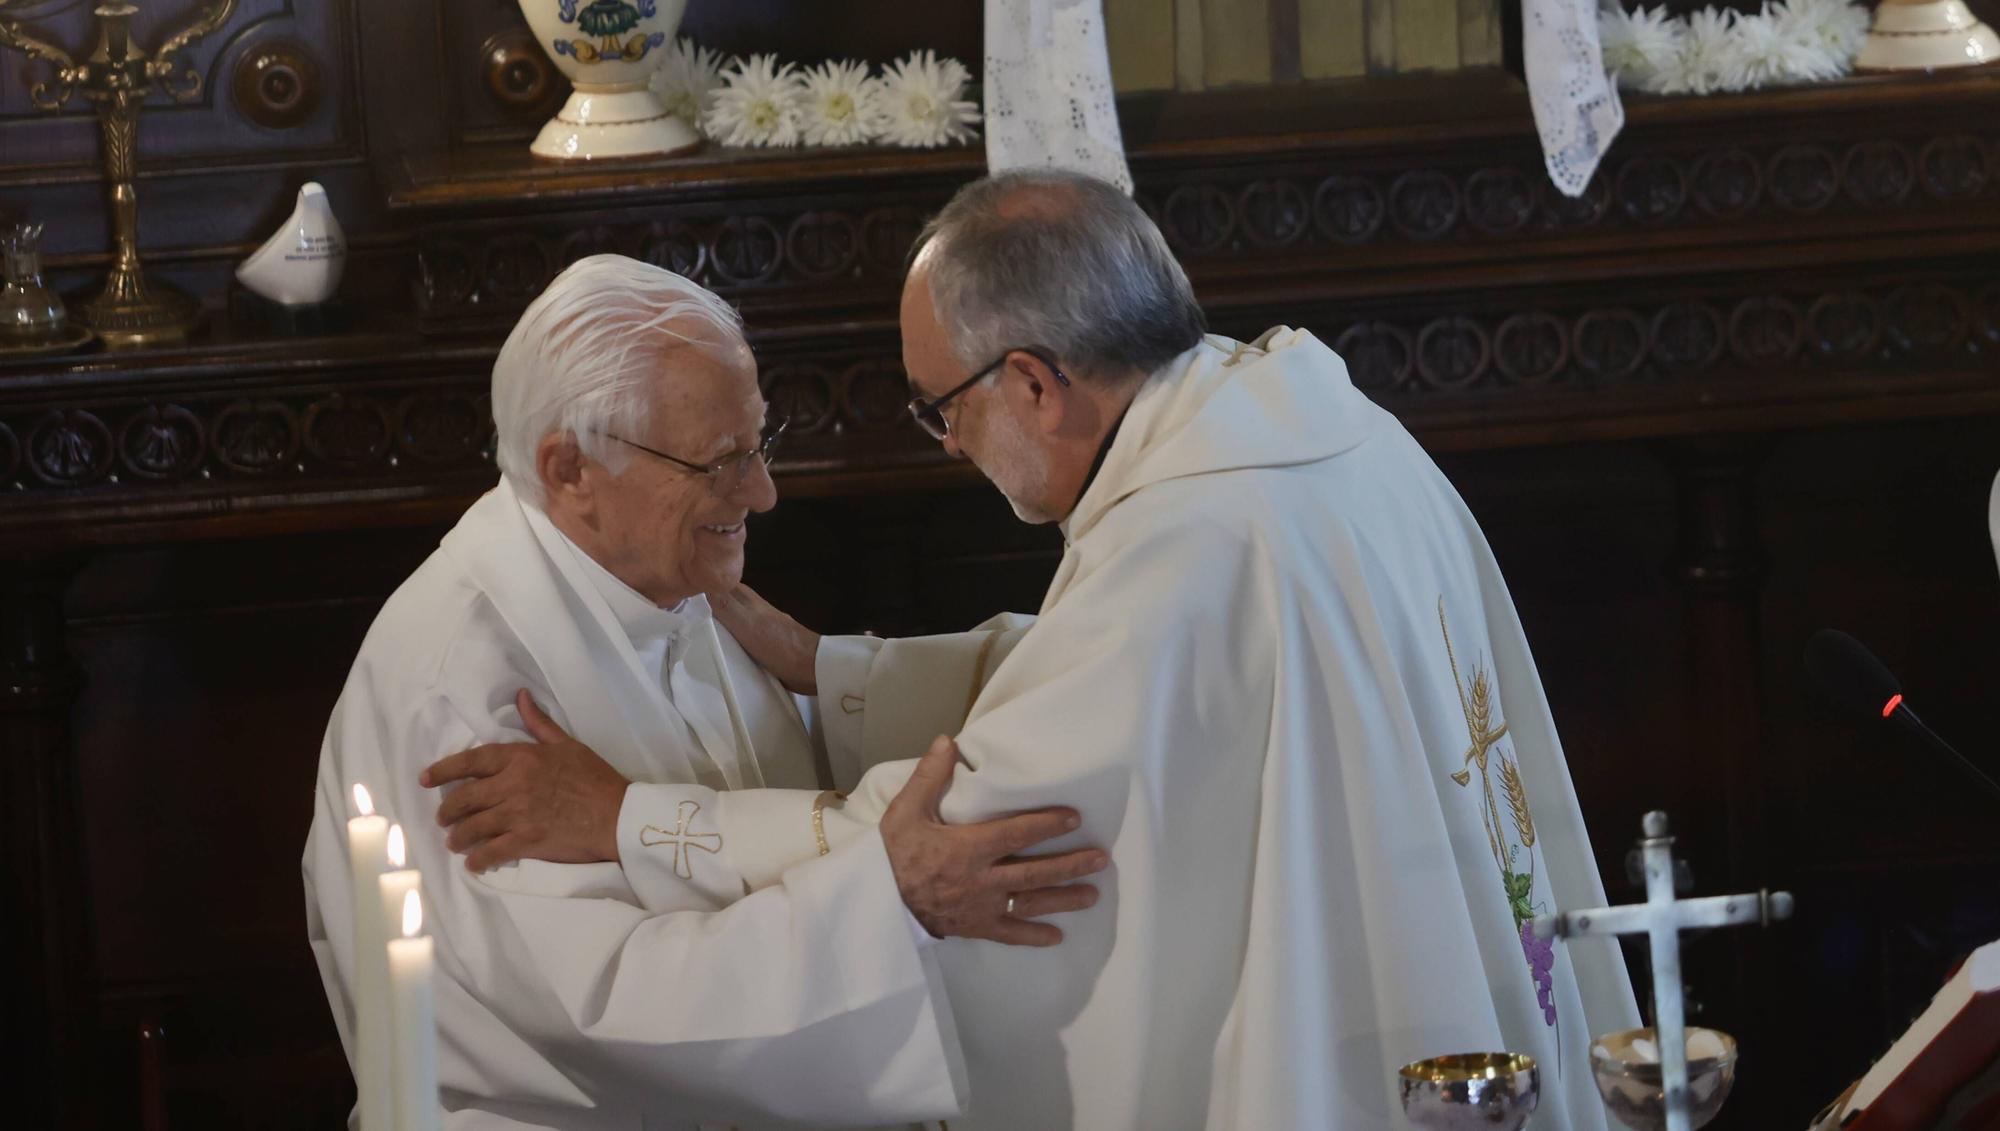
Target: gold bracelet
x: 819, y: 817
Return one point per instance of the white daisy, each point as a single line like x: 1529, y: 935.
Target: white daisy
x: 1830, y: 31
x: 1760, y: 52
x: 922, y: 102
x: 840, y: 104
x: 687, y: 81
x: 1637, y: 43
x: 1696, y: 67
x: 758, y: 103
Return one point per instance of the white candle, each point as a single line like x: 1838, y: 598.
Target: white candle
x: 393, y: 885
x: 410, y: 960
x: 366, y: 837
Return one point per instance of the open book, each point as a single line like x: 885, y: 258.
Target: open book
x: 1943, y: 1074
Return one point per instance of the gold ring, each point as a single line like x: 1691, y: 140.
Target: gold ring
x: 1010, y: 905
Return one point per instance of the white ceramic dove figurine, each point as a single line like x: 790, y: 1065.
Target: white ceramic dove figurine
x: 301, y: 263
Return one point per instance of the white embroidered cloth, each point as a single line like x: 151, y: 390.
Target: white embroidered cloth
x: 1048, y: 89
x: 1577, y: 111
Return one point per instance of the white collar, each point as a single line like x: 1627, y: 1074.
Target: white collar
x: 641, y: 619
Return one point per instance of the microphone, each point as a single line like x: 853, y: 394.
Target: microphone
x: 1855, y: 682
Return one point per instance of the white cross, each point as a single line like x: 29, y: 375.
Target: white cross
x: 682, y: 840
x: 1661, y: 918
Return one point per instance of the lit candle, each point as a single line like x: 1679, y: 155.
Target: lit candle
x: 396, y: 883
x: 410, y: 960
x: 366, y: 835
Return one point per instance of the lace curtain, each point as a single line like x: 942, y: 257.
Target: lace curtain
x: 1049, y: 93
x: 1048, y: 89
x: 1576, y: 107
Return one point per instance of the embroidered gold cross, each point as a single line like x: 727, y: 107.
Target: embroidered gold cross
x: 680, y: 839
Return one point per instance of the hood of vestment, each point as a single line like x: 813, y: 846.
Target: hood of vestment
x: 1281, y: 400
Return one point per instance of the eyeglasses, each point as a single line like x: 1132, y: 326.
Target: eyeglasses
x: 726, y: 474
x: 929, y: 415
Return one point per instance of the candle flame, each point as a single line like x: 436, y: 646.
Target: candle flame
x: 362, y: 801
x: 396, y: 853
x: 413, y: 914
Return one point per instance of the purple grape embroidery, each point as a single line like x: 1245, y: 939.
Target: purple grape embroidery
x: 1542, y: 961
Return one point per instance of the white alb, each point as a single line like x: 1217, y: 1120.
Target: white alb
x: 654, y: 993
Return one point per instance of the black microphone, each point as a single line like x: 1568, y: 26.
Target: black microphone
x: 1855, y: 682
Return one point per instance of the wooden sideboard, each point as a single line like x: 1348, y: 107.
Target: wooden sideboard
x: 1746, y: 386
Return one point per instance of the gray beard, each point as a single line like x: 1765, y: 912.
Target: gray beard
x: 1018, y: 470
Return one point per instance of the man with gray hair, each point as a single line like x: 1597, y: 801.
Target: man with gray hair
x: 1278, y: 673
x: 675, y: 969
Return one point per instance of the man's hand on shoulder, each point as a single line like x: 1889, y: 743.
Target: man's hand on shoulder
x: 551, y: 799
x: 971, y: 881
x: 779, y: 644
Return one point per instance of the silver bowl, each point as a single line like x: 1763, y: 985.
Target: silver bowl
x: 1489, y: 1091
x: 1629, y: 1079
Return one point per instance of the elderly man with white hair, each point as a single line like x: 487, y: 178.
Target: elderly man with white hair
x: 1278, y: 673
x: 676, y: 969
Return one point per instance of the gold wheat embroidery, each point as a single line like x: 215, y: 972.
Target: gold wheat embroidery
x: 1483, y: 733
x: 1517, y: 801
x: 1477, y: 705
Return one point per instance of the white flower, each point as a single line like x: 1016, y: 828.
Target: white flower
x: 758, y: 104
x: 922, y: 102
x: 1637, y: 44
x: 840, y: 105
x: 1830, y: 32
x: 1760, y: 53
x: 1696, y: 67
x: 687, y: 81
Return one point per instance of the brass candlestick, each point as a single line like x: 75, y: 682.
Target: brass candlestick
x: 116, y: 78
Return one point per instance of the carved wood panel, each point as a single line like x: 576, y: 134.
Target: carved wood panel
x: 277, y: 80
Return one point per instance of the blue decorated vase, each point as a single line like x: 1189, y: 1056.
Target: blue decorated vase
x: 609, y: 49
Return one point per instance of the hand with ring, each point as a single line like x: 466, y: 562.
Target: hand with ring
x: 953, y: 877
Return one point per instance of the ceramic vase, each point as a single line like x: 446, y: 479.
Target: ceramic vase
x: 1920, y: 35
x: 301, y: 264
x: 609, y: 49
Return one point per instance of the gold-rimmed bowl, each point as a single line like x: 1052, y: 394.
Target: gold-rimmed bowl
x: 1490, y: 1091
x: 1626, y: 1067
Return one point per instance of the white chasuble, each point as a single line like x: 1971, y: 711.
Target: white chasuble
x: 1993, y: 517
x: 1281, y: 677
x: 656, y: 993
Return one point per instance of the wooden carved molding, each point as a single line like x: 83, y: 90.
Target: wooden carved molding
x: 1913, y: 328
x: 480, y: 269
x: 845, y: 411
x: 472, y: 272
x: 269, y: 438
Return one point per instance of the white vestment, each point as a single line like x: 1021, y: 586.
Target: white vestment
x: 655, y: 994
x: 1993, y: 517
x: 1281, y: 677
